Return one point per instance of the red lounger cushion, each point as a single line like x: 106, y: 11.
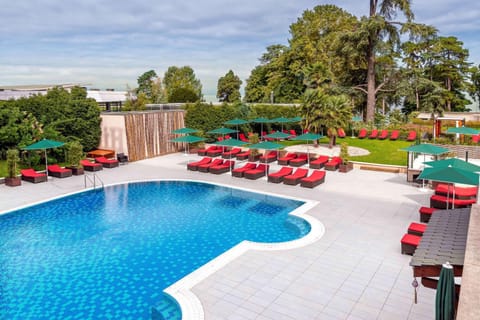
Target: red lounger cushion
x: 409, y: 243
x: 426, y: 213
x: 31, y: 173
x: 460, y: 192
x: 440, y: 202
x: 417, y: 228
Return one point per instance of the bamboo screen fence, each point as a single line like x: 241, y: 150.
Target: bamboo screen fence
x: 148, y: 133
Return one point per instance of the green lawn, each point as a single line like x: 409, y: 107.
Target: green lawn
x: 381, y: 151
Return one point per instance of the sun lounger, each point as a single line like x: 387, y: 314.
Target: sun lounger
x: 333, y: 164
x: 319, y: 162
x: 33, y: 176
x: 203, y: 152
x: 293, y: 134
x: 383, y: 135
x: 91, y: 166
x: 206, y: 167
x: 269, y: 157
x: 56, y: 171
x: 222, y: 168
x: 443, y: 189
x: 362, y: 134
x: 476, y: 138
x: 215, y: 151
x: 294, y: 178
x: 442, y: 202
x: 193, y: 166
x: 300, y: 160
x: 412, y: 135
x: 260, y: 171
x: 395, y: 134
x: 283, y: 161
x: 341, y: 133
x: 107, y: 163
x: 373, y: 134
x: 278, y: 176
x: 243, y: 155
x: 238, y: 172
x: 317, y: 177
x: 242, y: 137
x: 231, y: 153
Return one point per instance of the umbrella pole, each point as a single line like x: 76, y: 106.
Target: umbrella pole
x: 46, y: 164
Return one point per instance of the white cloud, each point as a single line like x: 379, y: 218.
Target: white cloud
x: 110, y: 43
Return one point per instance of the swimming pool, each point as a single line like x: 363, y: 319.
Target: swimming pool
x: 109, y: 254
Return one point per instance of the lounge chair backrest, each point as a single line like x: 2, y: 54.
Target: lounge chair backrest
x: 292, y: 132
x: 272, y: 153
x: 300, y: 172
x: 53, y: 167
x: 302, y: 156
x: 262, y: 167
x: 28, y: 171
x: 250, y: 166
x: 286, y: 170
x: 317, y: 174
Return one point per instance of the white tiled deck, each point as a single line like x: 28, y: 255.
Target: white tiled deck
x: 355, y: 271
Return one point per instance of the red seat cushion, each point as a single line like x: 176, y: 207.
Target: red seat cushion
x: 427, y: 210
x: 411, y: 239
x: 417, y: 227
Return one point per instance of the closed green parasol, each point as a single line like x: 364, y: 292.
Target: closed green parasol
x: 445, y: 295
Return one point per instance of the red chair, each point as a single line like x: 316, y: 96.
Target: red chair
x: 395, y: 134
x: 242, y: 137
x: 293, y: 134
x: 243, y: 155
x: 362, y: 134
x: 33, y: 176
x: 278, y: 176
x: 238, y: 172
x: 203, y: 152
x: 373, y: 134
x: 333, y: 164
x: 91, y: 166
x: 206, y: 167
x: 409, y: 243
x: 215, y: 151
x: 193, y: 166
x: 284, y: 160
x: 232, y: 153
x: 417, y: 229
x: 476, y: 138
x: 107, y: 163
x: 222, y: 168
x: 56, y: 171
x: 300, y: 160
x: 341, y: 133
x: 260, y: 171
x: 412, y: 135
x: 269, y: 157
x: 319, y: 162
x: 294, y: 178
x: 317, y: 177
x: 383, y: 135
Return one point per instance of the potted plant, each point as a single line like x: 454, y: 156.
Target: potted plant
x: 254, y: 154
x: 12, y: 179
x: 345, y: 166
x: 73, y: 156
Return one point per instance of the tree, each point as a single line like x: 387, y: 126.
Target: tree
x: 181, y: 78
x: 228, y: 88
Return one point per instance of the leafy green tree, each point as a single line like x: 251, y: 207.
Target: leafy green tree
x: 228, y: 88
x: 183, y: 95
x: 475, y: 79
x: 17, y: 128
x: 145, y: 82
x: 181, y: 78
x: 256, y: 87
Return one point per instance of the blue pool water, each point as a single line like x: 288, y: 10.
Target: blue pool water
x: 109, y: 254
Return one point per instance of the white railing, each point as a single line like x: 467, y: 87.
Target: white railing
x: 92, y: 179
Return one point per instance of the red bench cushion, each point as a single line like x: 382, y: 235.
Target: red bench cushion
x: 417, y: 227
x: 411, y: 239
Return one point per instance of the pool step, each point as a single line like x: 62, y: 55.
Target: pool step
x: 167, y: 309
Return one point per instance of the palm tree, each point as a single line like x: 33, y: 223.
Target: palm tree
x: 329, y: 111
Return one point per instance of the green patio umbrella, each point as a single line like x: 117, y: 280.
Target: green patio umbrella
x: 236, y: 122
x: 450, y: 175
x: 44, y: 145
x: 455, y: 163
x: 308, y: 137
x: 277, y: 135
x: 463, y: 130
x: 426, y: 148
x: 261, y: 120
x: 296, y: 119
x: 445, y: 295
x: 187, y: 139
x: 222, y: 131
x: 184, y: 131
x: 281, y: 120
x: 230, y: 143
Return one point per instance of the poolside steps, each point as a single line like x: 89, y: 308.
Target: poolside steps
x: 167, y: 309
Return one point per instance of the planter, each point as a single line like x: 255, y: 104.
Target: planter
x: 76, y: 171
x: 345, y: 167
x: 13, y: 182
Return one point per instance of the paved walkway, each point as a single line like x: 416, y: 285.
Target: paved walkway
x: 355, y: 271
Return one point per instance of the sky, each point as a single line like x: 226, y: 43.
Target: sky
x: 110, y: 43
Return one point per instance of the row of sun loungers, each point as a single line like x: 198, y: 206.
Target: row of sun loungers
x: 54, y: 170
x: 446, y: 196
x: 384, y: 134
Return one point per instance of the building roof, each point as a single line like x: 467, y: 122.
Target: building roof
x: 40, y: 87
x: 107, y: 95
